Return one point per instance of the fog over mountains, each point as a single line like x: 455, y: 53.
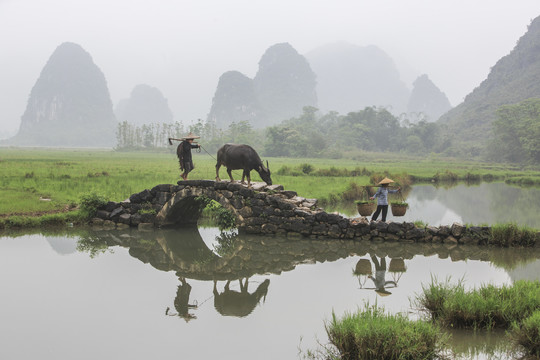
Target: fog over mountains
x: 283, y: 85
x: 69, y: 104
x: 350, y: 78
x: 336, y: 77
x: 146, y: 105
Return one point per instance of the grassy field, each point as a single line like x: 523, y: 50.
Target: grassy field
x: 37, y: 181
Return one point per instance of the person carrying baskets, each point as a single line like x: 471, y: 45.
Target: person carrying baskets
x: 382, y: 198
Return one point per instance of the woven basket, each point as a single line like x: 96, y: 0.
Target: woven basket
x: 365, y: 209
x: 399, y: 209
x: 397, y: 265
x: 363, y: 267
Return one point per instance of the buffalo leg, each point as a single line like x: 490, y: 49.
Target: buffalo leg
x: 229, y: 171
x: 248, y: 175
x: 218, y: 165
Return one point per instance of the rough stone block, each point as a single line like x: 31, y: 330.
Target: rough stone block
x: 102, y: 214
x: 117, y: 212
x: 274, y: 187
x: 97, y: 221
x: 246, y: 211
x: 246, y: 192
x: 289, y: 194
x: 457, y: 230
x: 269, y: 228
x: 334, y: 231
x: 394, y: 228
x: 450, y: 240
x: 161, y: 188
x: 333, y: 218
x: 124, y: 219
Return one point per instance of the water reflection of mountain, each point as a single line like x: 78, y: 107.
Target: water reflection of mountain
x: 62, y: 245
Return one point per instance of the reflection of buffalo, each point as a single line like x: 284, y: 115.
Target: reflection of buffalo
x: 240, y: 304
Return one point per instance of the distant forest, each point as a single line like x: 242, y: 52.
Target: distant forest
x: 515, y: 137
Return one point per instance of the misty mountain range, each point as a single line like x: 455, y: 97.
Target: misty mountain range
x: 70, y: 104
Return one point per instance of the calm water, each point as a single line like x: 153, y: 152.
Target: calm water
x: 84, y: 294
x: 485, y: 203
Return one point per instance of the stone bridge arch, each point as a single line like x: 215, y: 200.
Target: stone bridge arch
x: 185, y: 206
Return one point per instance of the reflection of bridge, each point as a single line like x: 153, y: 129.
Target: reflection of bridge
x: 184, y: 251
x: 244, y: 256
x: 269, y: 210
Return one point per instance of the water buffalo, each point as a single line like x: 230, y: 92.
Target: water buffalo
x: 235, y: 157
x: 239, y: 304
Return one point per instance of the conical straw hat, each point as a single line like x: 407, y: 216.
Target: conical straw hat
x: 191, y: 136
x: 386, y: 181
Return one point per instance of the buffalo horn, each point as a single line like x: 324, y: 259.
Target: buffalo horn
x: 267, y: 167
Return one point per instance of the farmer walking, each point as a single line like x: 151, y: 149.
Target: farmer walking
x: 183, y: 151
x: 382, y: 198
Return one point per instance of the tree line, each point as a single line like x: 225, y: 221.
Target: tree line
x: 516, y: 134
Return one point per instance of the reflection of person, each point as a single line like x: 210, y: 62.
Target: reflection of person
x: 382, y: 198
x: 181, y: 302
x: 183, y: 151
x: 380, y: 277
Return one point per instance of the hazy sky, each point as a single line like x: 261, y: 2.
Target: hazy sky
x: 183, y: 46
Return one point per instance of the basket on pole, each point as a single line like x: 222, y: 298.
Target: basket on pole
x: 365, y: 206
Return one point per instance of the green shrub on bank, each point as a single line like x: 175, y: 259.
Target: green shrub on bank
x: 513, y: 235
x: 89, y: 204
x: 527, y: 334
x: 484, y: 308
x: 374, y: 334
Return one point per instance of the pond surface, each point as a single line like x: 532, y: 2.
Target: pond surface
x: 198, y: 293
x: 485, y: 203
x: 164, y: 294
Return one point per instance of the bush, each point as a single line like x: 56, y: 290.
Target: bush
x: 90, y: 203
x: 307, y: 168
x: 373, y: 334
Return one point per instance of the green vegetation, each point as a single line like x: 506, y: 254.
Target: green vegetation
x: 527, y: 335
x: 45, y: 182
x: 517, y: 133
x: 513, y: 235
x: 484, y: 308
x: 374, y: 334
x: 213, y: 210
x: 90, y: 203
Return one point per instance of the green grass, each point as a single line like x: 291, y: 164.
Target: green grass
x: 373, y: 334
x: 527, y: 335
x: 513, y: 235
x: 64, y: 175
x: 484, y: 308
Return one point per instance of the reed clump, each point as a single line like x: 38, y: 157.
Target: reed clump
x: 527, y: 335
x: 373, y: 334
x: 513, y: 235
x: 487, y: 307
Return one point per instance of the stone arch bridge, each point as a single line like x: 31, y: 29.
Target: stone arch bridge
x: 269, y: 210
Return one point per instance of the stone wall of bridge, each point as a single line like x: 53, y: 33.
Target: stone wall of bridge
x: 269, y: 210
